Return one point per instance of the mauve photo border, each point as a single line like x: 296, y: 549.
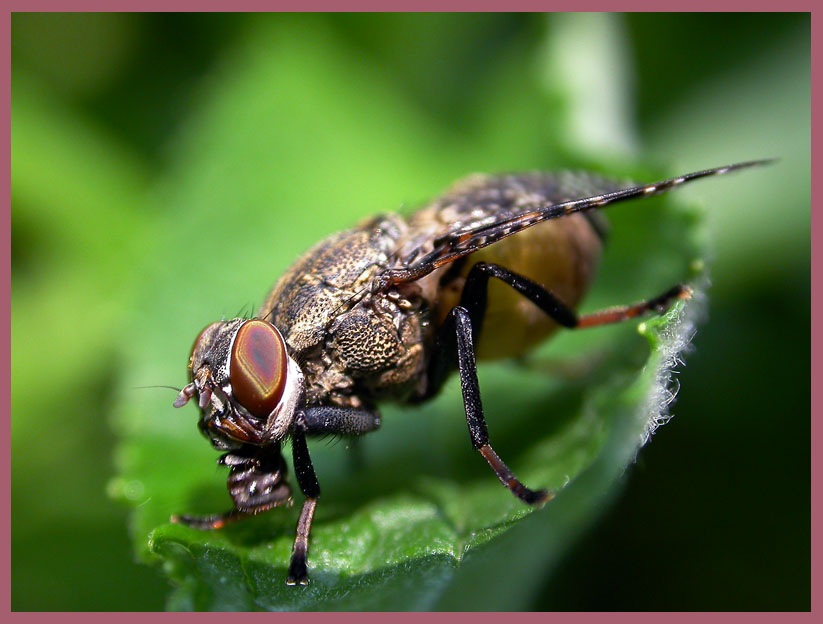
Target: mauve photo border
x: 421, y: 5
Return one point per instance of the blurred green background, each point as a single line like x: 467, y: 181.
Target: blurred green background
x: 109, y: 113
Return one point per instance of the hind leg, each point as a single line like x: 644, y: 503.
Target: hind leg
x: 455, y: 344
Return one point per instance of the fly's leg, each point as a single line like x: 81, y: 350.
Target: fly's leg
x: 307, y: 480
x: 209, y: 523
x: 317, y: 421
x: 465, y: 322
x: 660, y: 304
x: 256, y: 483
x: 344, y: 421
x: 474, y: 298
x: 460, y: 323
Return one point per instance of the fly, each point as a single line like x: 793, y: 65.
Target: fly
x: 389, y: 309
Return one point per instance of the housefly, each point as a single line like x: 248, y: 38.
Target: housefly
x: 389, y: 309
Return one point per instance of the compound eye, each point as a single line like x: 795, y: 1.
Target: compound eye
x: 203, y: 341
x: 258, y: 367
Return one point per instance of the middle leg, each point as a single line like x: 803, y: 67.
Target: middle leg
x: 457, y: 335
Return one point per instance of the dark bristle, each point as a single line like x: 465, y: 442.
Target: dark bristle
x: 159, y: 386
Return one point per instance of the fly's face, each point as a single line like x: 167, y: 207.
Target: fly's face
x: 247, y: 386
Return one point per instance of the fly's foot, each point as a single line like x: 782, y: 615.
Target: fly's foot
x: 538, y: 498
x: 664, y: 302
x: 208, y: 523
x: 298, y: 572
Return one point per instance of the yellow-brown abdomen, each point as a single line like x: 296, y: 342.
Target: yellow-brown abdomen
x: 560, y: 255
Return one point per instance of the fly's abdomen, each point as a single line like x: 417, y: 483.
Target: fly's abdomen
x: 560, y: 255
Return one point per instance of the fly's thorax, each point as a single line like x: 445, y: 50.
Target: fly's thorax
x: 247, y: 384
x: 380, y: 345
x: 328, y: 278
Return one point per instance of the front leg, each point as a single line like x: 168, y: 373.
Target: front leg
x: 256, y: 483
x: 317, y: 421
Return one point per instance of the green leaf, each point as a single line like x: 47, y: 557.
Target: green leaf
x: 299, y: 137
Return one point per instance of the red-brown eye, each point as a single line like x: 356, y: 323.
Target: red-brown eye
x: 258, y: 367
